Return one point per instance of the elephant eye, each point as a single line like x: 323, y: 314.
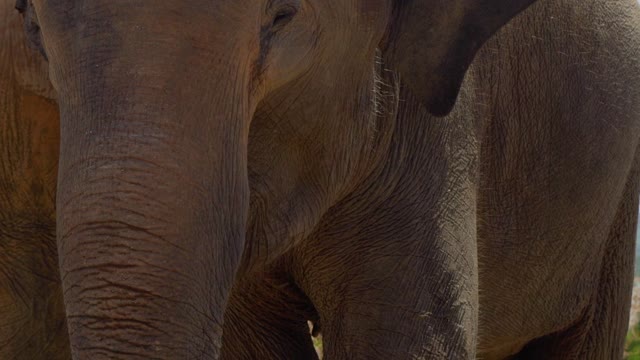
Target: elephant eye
x: 283, y: 17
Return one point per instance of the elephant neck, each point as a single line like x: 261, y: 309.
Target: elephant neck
x: 384, y: 115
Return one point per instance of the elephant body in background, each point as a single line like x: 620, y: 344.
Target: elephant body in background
x: 32, y: 322
x: 209, y: 208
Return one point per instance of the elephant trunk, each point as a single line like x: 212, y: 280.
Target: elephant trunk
x: 152, y: 206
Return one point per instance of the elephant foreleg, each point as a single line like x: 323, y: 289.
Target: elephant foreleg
x: 600, y: 333
x: 393, y: 298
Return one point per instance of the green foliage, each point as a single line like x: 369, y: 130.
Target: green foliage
x: 632, y: 343
x: 317, y: 343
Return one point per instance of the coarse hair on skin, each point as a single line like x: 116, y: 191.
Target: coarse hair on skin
x: 385, y: 93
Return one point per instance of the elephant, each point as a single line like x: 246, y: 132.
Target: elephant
x: 419, y: 179
x: 32, y: 321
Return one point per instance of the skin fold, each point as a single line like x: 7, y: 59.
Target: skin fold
x: 202, y: 178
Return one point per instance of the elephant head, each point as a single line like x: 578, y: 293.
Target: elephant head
x: 200, y: 136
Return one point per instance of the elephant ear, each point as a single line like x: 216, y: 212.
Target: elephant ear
x: 431, y: 43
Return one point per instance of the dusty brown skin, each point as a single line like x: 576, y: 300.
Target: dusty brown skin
x: 32, y: 322
x: 263, y: 165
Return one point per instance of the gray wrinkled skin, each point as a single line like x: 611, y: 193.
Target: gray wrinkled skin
x: 225, y: 177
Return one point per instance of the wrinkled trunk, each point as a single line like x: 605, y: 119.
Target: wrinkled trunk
x: 150, y: 232
x: 152, y: 200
